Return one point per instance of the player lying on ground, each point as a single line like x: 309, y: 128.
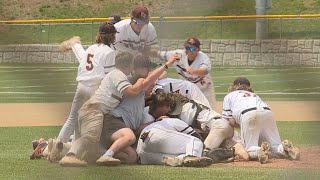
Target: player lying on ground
x: 183, y: 87
x: 105, y: 99
x: 259, y: 133
x: 194, y: 66
x: 173, y: 142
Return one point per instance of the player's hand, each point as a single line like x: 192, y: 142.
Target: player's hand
x: 172, y: 59
x: 160, y: 118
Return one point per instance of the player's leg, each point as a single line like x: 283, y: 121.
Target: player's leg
x: 115, y: 137
x: 57, y: 149
x: 271, y: 134
x: 164, y: 141
x: 250, y: 132
x: 211, y: 96
x: 127, y: 155
x: 219, y: 129
x: 67, y: 45
x: 90, y: 122
x: 83, y: 93
x: 122, y: 138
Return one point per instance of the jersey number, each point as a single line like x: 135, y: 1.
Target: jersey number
x: 89, y: 65
x: 247, y: 94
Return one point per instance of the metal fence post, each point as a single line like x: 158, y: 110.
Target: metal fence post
x: 220, y: 28
x: 49, y: 26
x: 206, y: 27
x: 160, y: 27
x: 92, y: 38
x: 280, y: 28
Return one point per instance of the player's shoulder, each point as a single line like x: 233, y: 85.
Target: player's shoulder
x: 122, y: 25
x: 105, y: 49
x: 202, y: 55
x: 151, y: 27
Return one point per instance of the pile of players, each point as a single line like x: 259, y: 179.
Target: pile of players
x: 126, y: 109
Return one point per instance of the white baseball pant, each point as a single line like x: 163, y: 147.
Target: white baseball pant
x: 83, y: 93
x: 258, y: 126
x: 219, y: 129
x: 162, y: 142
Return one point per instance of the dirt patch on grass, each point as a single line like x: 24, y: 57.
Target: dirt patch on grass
x: 309, y: 159
x: 55, y: 114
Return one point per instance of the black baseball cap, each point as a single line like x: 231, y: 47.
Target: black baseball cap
x: 107, y: 28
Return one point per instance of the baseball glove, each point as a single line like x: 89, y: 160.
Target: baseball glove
x: 220, y: 154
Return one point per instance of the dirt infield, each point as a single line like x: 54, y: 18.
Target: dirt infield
x: 54, y: 114
x: 309, y: 159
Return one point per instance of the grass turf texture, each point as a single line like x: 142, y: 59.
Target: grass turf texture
x: 56, y: 82
x: 16, y: 147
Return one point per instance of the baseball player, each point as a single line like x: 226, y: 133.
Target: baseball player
x: 242, y: 107
x: 136, y: 34
x: 94, y: 64
x: 183, y: 87
x: 106, y: 98
x: 172, y: 142
x: 97, y: 61
x: 194, y: 66
x: 196, y: 115
x: 118, y: 126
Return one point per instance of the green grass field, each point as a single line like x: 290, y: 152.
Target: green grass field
x: 56, y: 82
x: 16, y: 147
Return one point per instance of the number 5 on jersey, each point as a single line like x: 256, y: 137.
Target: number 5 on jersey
x: 89, y: 65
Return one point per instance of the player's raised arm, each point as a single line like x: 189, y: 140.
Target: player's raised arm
x: 154, y: 75
x: 135, y: 89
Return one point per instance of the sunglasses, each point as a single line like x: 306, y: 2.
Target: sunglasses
x: 191, y: 49
x: 139, y: 23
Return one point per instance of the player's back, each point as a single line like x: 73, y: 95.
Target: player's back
x: 240, y: 100
x: 173, y: 124
x: 183, y: 87
x: 100, y: 60
x: 110, y: 92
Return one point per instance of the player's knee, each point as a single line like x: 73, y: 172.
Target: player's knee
x: 130, y: 137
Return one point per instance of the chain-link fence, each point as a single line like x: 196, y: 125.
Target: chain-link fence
x: 280, y: 28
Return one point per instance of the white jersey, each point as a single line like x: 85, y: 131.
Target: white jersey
x: 99, y: 61
x: 236, y: 102
x: 110, y: 92
x: 183, y: 87
x: 173, y: 124
x: 128, y: 41
x: 202, y: 60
